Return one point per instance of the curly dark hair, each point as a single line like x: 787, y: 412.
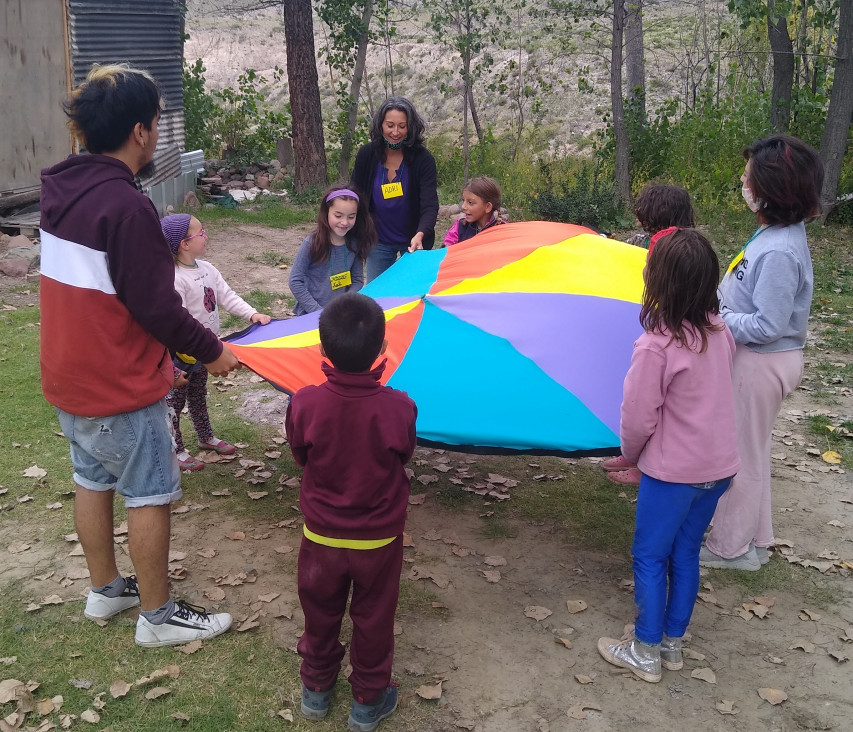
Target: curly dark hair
x: 417, y: 128
x: 785, y: 175
x: 681, y: 277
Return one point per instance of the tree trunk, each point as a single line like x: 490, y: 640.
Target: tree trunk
x: 783, y: 69
x: 840, y: 113
x: 475, y: 118
x: 355, y: 91
x: 309, y: 150
x: 635, y: 65
x: 623, y: 165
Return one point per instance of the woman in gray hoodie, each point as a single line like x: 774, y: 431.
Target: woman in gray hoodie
x: 765, y: 298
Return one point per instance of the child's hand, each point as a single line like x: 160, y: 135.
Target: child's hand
x: 181, y: 379
x: 261, y: 318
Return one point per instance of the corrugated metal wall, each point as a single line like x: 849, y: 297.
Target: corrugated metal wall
x: 144, y: 33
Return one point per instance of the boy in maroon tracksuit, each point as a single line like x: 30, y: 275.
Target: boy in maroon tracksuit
x: 353, y: 437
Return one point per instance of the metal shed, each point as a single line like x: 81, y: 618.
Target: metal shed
x: 48, y: 46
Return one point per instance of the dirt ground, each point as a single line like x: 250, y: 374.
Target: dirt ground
x: 505, y: 672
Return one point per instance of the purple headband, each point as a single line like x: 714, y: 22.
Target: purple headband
x: 342, y: 192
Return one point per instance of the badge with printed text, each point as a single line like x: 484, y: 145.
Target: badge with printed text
x: 392, y: 190
x: 344, y: 279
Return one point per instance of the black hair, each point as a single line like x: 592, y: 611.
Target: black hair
x: 417, y: 128
x: 105, y: 108
x: 786, y: 176
x: 352, y: 330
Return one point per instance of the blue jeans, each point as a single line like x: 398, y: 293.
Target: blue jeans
x: 671, y: 519
x: 132, y: 453
x: 382, y: 256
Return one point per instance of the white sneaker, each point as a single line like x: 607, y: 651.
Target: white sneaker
x: 189, y: 623
x: 101, y: 607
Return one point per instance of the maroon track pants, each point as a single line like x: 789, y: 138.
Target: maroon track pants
x: 325, y: 575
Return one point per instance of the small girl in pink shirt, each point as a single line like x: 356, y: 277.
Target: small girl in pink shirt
x: 678, y: 427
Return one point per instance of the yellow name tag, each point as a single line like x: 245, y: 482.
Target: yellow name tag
x: 340, y: 280
x: 392, y: 190
x: 736, y: 261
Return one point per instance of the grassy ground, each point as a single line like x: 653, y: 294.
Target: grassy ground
x: 241, y: 681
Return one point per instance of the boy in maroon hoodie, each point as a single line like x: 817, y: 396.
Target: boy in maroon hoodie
x: 353, y: 436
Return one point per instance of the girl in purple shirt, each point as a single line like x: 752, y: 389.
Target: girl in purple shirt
x: 678, y: 427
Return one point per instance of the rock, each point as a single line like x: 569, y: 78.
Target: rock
x: 191, y: 201
x: 279, y: 177
x: 262, y: 181
x: 275, y: 164
x: 14, y: 267
x: 20, y: 241
x: 214, y: 179
x: 250, y: 176
x: 446, y: 212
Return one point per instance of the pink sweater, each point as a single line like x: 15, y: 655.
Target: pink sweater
x: 678, y: 421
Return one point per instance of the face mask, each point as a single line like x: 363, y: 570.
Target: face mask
x: 393, y: 145
x: 753, y: 203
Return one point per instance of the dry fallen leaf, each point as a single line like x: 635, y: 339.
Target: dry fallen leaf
x: 495, y: 561
x: 171, y: 671
x: 215, y: 594
x: 417, y: 499
x: 236, y: 535
x: 692, y: 655
x: 773, y: 696
x: 430, y: 691
x: 8, y: 660
x: 704, y: 674
x: 269, y: 597
x: 18, y: 547
x: 285, y: 714
x: 90, y: 716
x: 180, y: 716
x: 157, y: 692
x: 119, y: 688
x: 802, y: 645
x: 563, y: 641
x: 283, y: 549
x: 831, y: 457
x: 491, y: 575
x: 257, y: 495
x: 207, y: 553
x: 839, y: 656
x: 575, y: 606
x: 189, y: 648
x: 9, y: 690
x: 34, y: 471
x: 578, y: 711
x: 806, y: 614
x: 418, y: 573
x: 537, y: 612
x: 583, y: 679
x: 724, y: 706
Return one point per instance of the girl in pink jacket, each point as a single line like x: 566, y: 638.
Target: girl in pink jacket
x: 678, y: 427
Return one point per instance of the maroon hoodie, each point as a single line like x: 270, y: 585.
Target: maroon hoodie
x: 109, y: 310
x: 353, y: 436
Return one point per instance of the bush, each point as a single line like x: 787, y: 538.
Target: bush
x: 574, y: 191
x: 199, y: 109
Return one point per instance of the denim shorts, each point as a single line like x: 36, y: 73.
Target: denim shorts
x: 132, y: 453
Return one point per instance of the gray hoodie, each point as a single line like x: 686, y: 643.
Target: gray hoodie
x: 765, y: 299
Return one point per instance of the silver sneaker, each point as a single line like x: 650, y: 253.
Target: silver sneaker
x: 670, y: 654
x: 763, y: 554
x: 641, y: 659
x: 748, y: 562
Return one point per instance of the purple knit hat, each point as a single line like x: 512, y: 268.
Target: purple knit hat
x: 175, y: 228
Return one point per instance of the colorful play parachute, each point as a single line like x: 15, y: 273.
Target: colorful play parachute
x: 516, y: 340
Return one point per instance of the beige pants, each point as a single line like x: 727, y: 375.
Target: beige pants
x: 744, y: 515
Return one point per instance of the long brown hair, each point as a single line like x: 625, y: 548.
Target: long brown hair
x: 681, y: 277
x: 360, y: 239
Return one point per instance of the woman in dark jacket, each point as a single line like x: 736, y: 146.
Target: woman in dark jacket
x: 397, y: 174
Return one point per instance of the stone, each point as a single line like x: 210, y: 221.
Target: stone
x: 191, y: 201
x: 279, y: 177
x: 214, y: 179
x: 250, y: 176
x: 448, y: 211
x: 14, y: 267
x: 276, y: 164
x: 20, y: 241
x: 262, y: 181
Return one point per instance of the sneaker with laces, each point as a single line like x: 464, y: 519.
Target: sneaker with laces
x: 366, y: 717
x: 189, y: 623
x: 671, y: 657
x: 642, y: 659
x: 748, y: 561
x: 101, y: 607
x: 315, y: 704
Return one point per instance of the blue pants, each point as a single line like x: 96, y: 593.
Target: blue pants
x: 382, y: 256
x: 671, y: 519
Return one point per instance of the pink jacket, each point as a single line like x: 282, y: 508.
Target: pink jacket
x: 678, y: 421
